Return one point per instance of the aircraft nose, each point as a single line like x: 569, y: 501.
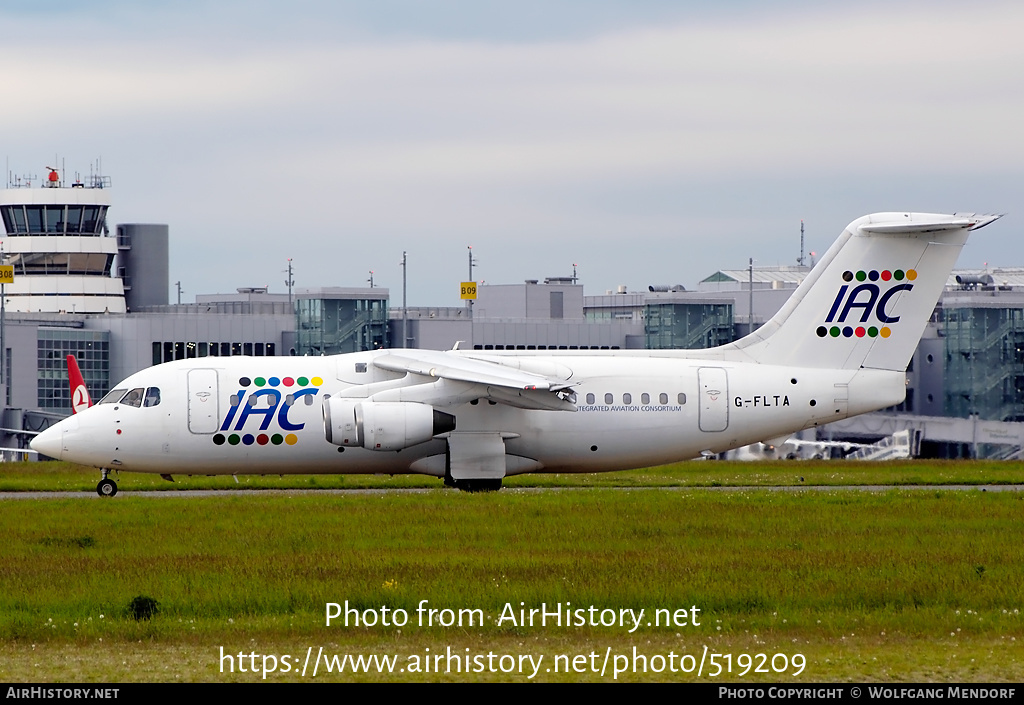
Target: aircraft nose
x: 51, y: 441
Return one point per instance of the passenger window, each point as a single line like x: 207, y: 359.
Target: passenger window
x: 113, y: 396
x: 645, y: 398
x: 134, y: 397
x: 609, y: 399
x: 663, y: 398
x: 309, y: 399
x: 590, y: 398
x: 289, y: 400
x: 152, y: 396
x: 234, y: 400
x: 682, y: 398
x: 627, y: 398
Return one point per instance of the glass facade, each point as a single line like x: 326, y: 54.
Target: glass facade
x: 90, y: 348
x: 687, y: 326
x: 332, y: 326
x: 167, y: 351
x: 984, y: 371
x: 607, y: 314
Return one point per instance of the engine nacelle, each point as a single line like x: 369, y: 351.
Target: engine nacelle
x: 382, y: 425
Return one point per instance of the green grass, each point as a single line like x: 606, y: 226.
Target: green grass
x: 896, y: 585
x: 61, y: 476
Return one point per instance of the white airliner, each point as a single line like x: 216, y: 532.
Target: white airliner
x: 840, y: 346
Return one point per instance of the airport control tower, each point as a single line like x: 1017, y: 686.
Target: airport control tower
x: 58, y: 242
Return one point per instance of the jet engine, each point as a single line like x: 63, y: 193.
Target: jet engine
x: 382, y: 425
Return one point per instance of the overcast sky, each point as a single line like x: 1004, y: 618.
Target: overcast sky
x: 647, y: 142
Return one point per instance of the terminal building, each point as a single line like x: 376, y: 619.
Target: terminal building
x: 83, y: 289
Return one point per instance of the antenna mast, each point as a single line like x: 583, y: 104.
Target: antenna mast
x: 289, y: 282
x: 800, y: 261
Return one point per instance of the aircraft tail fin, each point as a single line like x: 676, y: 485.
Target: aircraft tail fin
x: 80, y: 399
x: 867, y: 301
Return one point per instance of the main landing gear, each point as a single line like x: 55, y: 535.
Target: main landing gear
x: 476, y: 455
x: 106, y: 486
x: 473, y: 485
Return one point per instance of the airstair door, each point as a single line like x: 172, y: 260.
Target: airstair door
x: 203, y: 413
x: 714, y: 399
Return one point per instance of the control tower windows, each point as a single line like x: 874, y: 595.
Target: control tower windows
x: 92, y: 219
x: 35, y: 218
x: 54, y: 220
x: 14, y: 220
x: 74, y: 219
x: 62, y: 263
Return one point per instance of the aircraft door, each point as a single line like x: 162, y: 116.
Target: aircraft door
x: 714, y: 399
x: 203, y: 412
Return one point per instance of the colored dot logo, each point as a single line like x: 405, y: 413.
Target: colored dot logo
x: 885, y: 275
x: 277, y: 381
x: 851, y: 332
x: 248, y: 439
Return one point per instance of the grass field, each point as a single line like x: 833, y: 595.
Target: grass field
x: 60, y: 476
x: 921, y: 585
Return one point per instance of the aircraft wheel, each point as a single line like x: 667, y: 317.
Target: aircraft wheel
x: 106, y: 488
x: 479, y: 485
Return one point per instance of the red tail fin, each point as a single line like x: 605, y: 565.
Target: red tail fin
x: 79, y: 394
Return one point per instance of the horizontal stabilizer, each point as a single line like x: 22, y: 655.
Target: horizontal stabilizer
x: 927, y: 225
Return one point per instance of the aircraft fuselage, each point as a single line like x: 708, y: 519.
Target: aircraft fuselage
x: 244, y: 415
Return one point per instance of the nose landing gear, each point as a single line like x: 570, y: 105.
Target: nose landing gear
x: 106, y: 486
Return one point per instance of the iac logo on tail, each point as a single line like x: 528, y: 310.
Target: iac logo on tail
x: 872, y: 301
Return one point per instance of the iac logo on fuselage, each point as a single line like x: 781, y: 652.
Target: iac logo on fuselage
x: 261, y: 398
x: 866, y: 302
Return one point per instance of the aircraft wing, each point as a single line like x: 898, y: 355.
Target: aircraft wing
x: 476, y: 378
x: 462, y: 369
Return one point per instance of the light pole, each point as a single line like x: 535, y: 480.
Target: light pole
x: 469, y: 302
x: 405, y: 314
x: 750, y: 286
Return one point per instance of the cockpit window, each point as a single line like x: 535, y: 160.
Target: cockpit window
x: 152, y: 396
x: 113, y: 396
x: 134, y: 397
